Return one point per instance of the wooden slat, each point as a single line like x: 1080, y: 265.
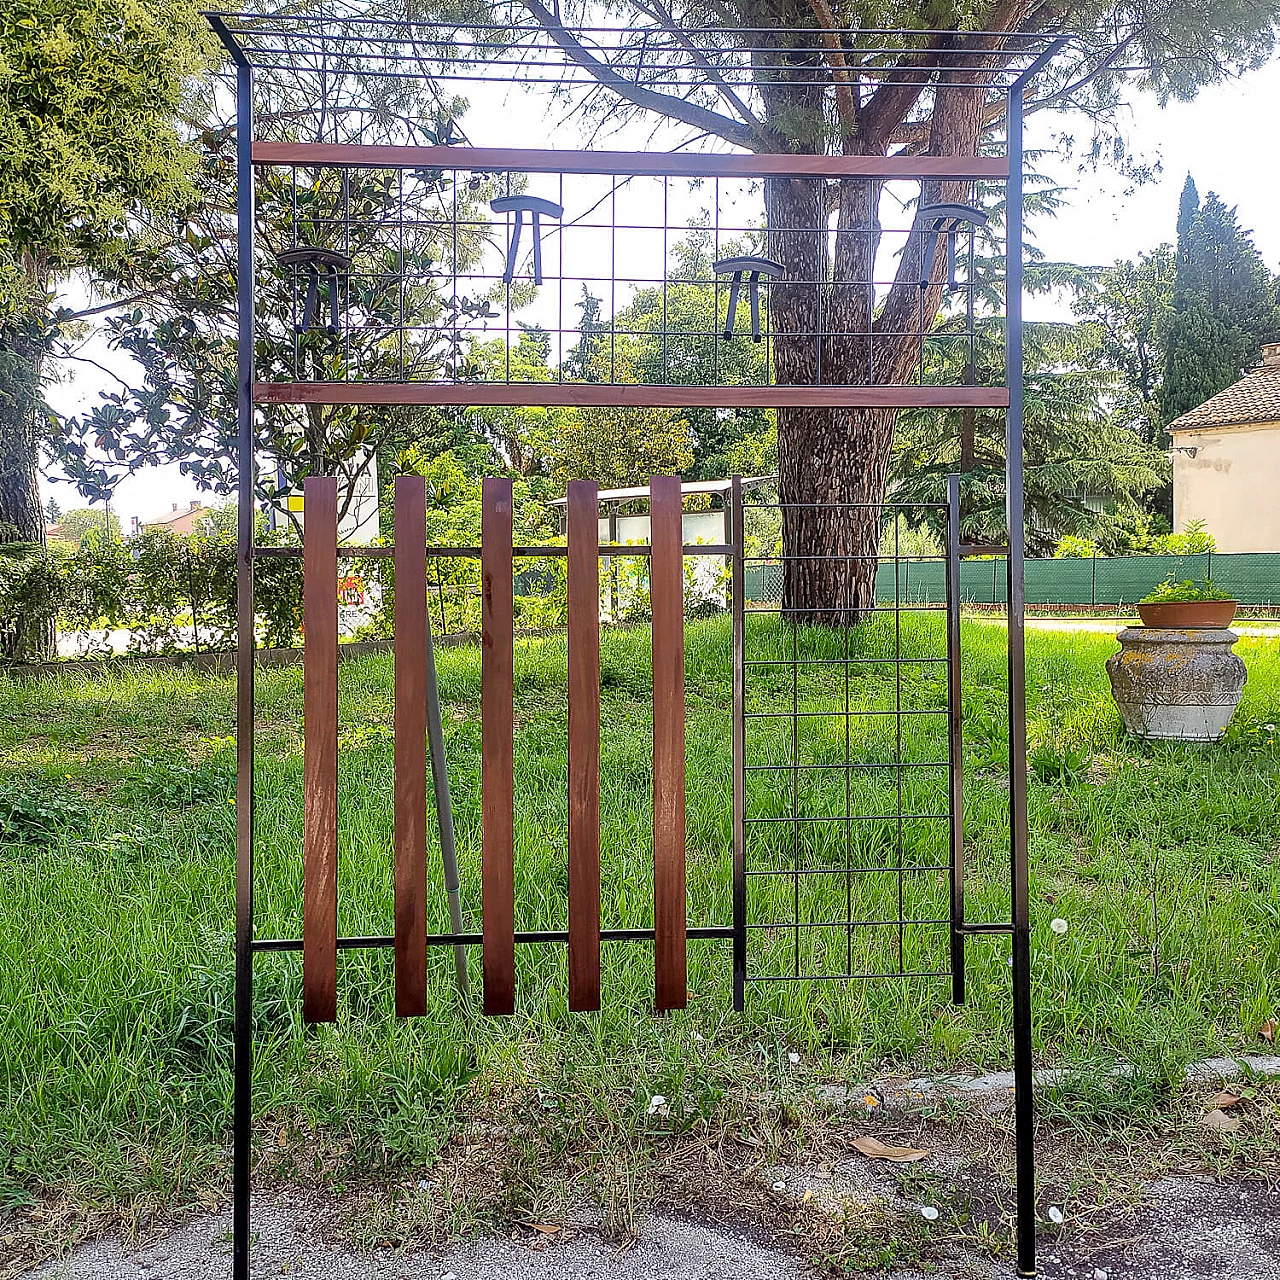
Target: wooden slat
x: 320, y: 750
x: 497, y: 747
x: 410, y: 790
x: 605, y: 394
x: 666, y: 596
x: 657, y: 163
x: 583, y: 528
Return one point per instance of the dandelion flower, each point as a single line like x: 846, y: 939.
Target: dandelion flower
x: 1059, y: 925
x: 656, y: 1103
x: 793, y: 1058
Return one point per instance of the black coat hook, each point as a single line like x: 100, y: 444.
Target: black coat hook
x: 934, y: 220
x: 313, y: 261
x: 753, y: 268
x: 535, y: 206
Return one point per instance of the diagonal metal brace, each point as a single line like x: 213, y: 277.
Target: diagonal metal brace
x: 535, y: 207
x: 753, y: 268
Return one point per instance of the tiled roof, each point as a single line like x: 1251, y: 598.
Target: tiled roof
x: 1255, y: 398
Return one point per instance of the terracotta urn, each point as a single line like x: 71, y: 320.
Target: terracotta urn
x: 1177, y: 682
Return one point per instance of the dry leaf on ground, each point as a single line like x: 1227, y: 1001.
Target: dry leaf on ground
x: 1223, y: 1100
x: 1268, y: 1031
x: 1221, y: 1121
x: 878, y: 1150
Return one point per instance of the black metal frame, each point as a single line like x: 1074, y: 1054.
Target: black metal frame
x: 1018, y: 927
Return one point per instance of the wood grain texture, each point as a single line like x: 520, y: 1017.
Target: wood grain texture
x: 666, y: 595
x: 604, y: 394
x: 583, y: 528
x: 320, y: 750
x: 410, y: 786
x: 497, y: 783
x: 626, y: 163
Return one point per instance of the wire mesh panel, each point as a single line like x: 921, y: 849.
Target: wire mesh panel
x: 473, y: 275
x: 845, y: 769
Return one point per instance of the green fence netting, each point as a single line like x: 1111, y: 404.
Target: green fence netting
x: 1099, y: 582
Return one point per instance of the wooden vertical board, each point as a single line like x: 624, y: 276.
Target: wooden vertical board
x: 497, y: 747
x: 582, y: 518
x: 666, y: 595
x: 410, y: 789
x: 320, y: 750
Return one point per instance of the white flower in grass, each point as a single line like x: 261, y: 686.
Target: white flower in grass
x: 928, y: 1213
x: 1055, y: 1215
x: 1059, y: 925
x: 657, y: 1103
x: 793, y: 1058
x: 779, y: 1186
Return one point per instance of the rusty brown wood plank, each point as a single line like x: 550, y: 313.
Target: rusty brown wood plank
x: 582, y: 522
x: 626, y: 163
x: 666, y: 596
x: 497, y: 678
x: 598, y: 394
x: 410, y: 786
x: 320, y: 750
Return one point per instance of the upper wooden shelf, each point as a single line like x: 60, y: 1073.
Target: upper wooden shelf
x: 627, y: 163
x: 643, y: 395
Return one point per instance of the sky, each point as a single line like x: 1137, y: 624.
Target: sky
x: 1215, y: 138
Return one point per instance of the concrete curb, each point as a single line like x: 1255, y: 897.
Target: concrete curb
x: 999, y: 1084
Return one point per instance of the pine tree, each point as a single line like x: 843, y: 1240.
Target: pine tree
x: 1224, y: 305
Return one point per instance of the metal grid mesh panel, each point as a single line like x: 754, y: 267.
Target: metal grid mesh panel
x: 410, y: 275
x: 846, y: 782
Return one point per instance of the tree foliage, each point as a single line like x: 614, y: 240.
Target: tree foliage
x: 79, y: 523
x: 1130, y: 308
x: 1082, y: 467
x: 92, y: 164
x: 92, y: 91
x: 1224, y: 305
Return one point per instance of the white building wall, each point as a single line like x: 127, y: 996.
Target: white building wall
x: 1232, y: 484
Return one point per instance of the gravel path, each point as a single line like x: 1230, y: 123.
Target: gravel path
x: 1186, y: 1230
x: 289, y: 1243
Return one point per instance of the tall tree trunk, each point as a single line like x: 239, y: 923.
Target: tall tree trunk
x: 21, y: 515
x: 832, y: 463
x: 22, y: 355
x: 829, y: 328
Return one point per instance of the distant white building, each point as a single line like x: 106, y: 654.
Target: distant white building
x: 712, y: 526
x: 1226, y: 461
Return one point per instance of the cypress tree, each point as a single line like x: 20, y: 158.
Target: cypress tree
x: 1224, y: 305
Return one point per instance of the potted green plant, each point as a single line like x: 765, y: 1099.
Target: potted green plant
x: 1174, y: 605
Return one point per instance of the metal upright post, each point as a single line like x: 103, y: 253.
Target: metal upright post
x: 738, y: 605
x: 245, y: 612
x: 955, y: 739
x: 1023, y: 1066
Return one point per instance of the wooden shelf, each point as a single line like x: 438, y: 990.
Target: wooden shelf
x: 645, y: 396
x: 628, y: 163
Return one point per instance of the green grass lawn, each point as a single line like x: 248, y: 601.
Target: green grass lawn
x: 116, y: 912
